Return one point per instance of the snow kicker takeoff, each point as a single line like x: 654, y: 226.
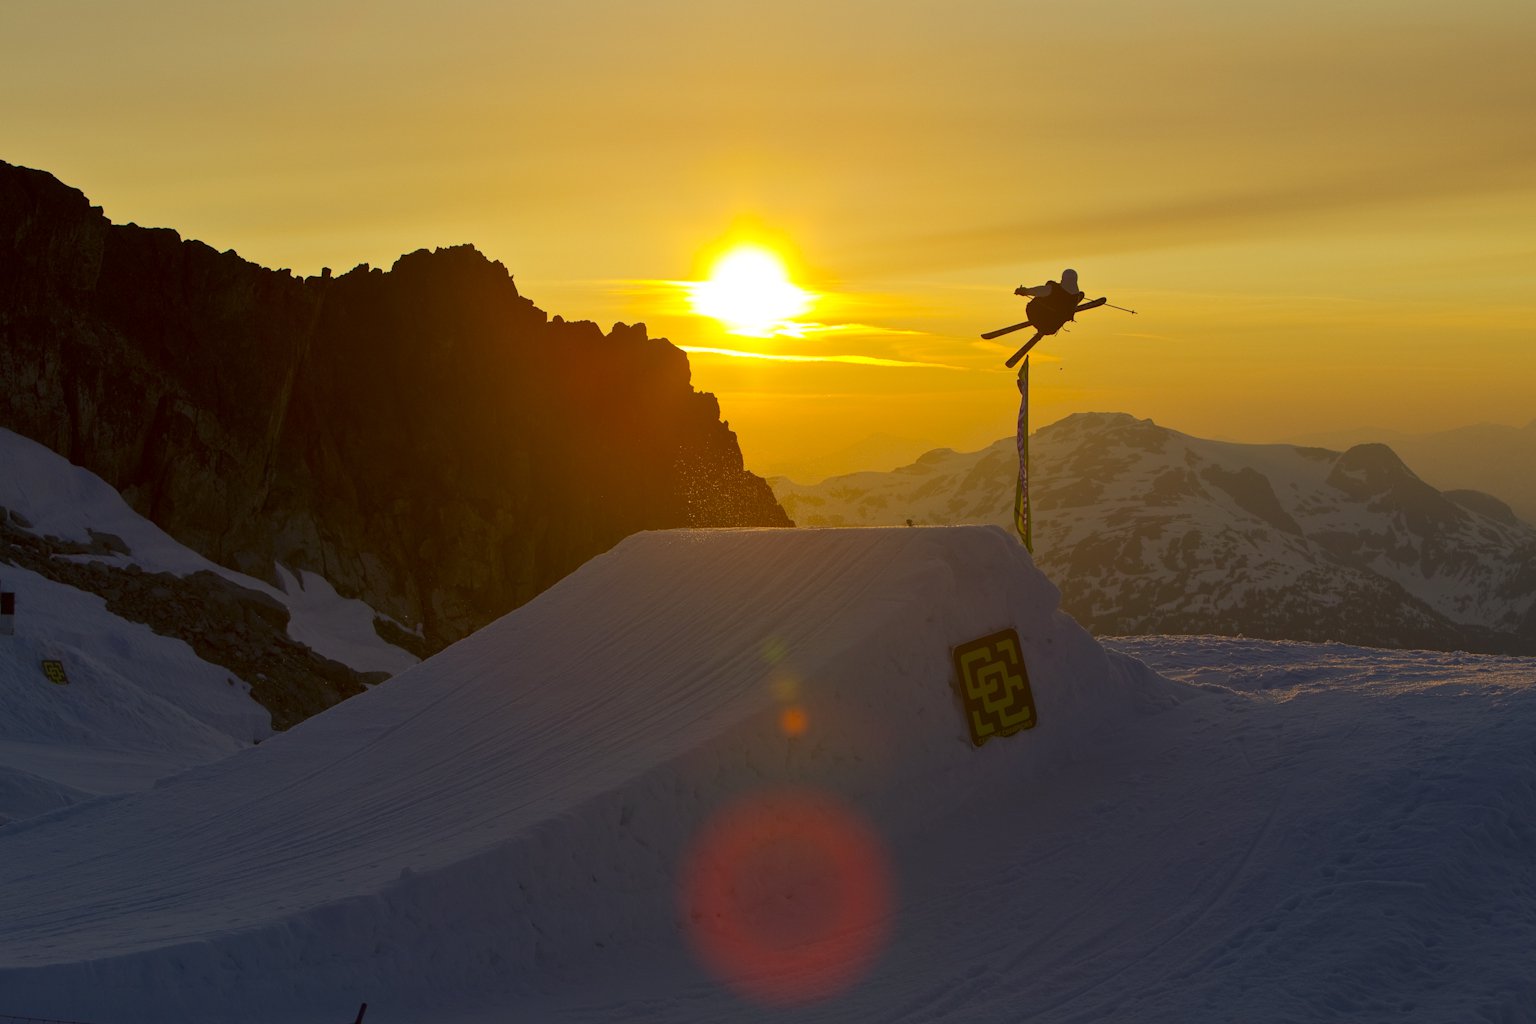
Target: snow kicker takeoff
x: 1051, y: 307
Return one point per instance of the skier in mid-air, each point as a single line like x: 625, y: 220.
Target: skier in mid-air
x: 1052, y: 304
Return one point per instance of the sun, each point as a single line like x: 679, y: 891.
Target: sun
x: 750, y: 292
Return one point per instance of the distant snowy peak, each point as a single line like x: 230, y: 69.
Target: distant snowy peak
x: 1491, y: 457
x: 1149, y: 530
x: 1274, y: 540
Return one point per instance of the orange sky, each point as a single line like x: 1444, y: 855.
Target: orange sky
x: 1325, y: 213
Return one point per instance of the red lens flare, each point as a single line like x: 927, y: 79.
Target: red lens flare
x: 793, y: 721
x: 787, y: 897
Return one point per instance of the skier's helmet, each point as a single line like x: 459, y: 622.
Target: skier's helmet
x: 1069, y: 279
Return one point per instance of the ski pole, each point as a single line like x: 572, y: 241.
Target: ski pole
x: 1122, y: 309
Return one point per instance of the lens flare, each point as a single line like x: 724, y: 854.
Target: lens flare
x: 786, y: 897
x: 794, y: 721
x: 786, y: 688
x: 775, y: 650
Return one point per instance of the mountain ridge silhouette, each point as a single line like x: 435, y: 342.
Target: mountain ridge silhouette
x: 425, y: 437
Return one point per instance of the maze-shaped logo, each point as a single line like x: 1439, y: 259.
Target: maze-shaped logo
x: 994, y: 686
x: 54, y: 670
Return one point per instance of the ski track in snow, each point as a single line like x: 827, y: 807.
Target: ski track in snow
x: 1288, y: 832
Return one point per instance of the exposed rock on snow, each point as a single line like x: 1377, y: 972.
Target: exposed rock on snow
x: 299, y: 648
x: 162, y: 649
x: 243, y: 630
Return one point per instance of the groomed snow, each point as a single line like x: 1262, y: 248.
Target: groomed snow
x: 504, y: 832
x: 514, y: 810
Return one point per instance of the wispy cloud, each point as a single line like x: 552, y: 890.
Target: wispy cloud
x: 861, y: 329
x: 670, y: 298
x: 1209, y: 216
x: 784, y: 357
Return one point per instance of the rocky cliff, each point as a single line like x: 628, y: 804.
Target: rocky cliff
x: 425, y: 438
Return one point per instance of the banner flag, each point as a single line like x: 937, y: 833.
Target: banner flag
x: 1021, y: 521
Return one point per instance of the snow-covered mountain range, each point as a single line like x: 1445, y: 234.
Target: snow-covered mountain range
x: 1148, y: 530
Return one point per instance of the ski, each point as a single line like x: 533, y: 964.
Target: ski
x: 1021, y: 353
x: 1030, y: 344
x: 1005, y: 330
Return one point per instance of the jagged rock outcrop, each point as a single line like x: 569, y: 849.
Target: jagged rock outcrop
x: 426, y: 438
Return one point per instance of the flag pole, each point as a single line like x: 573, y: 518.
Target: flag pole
x: 1022, y: 520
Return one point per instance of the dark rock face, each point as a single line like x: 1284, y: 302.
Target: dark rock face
x: 1484, y: 504
x: 426, y: 438
x: 1252, y: 492
x: 229, y: 625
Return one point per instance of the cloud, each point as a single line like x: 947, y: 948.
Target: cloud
x: 857, y: 360
x: 669, y: 298
x: 866, y: 330
x: 1210, y: 216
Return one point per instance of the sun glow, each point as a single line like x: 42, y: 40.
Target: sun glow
x: 750, y: 292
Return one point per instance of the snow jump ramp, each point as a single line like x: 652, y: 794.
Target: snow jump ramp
x: 503, y: 824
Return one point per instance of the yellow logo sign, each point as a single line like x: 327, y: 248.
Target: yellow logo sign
x: 994, y: 686
x: 54, y: 670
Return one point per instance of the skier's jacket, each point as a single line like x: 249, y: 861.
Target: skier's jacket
x: 1050, y: 311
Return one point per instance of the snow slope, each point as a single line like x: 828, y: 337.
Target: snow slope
x: 69, y: 502
x: 138, y: 706
x: 506, y: 819
x: 509, y: 831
